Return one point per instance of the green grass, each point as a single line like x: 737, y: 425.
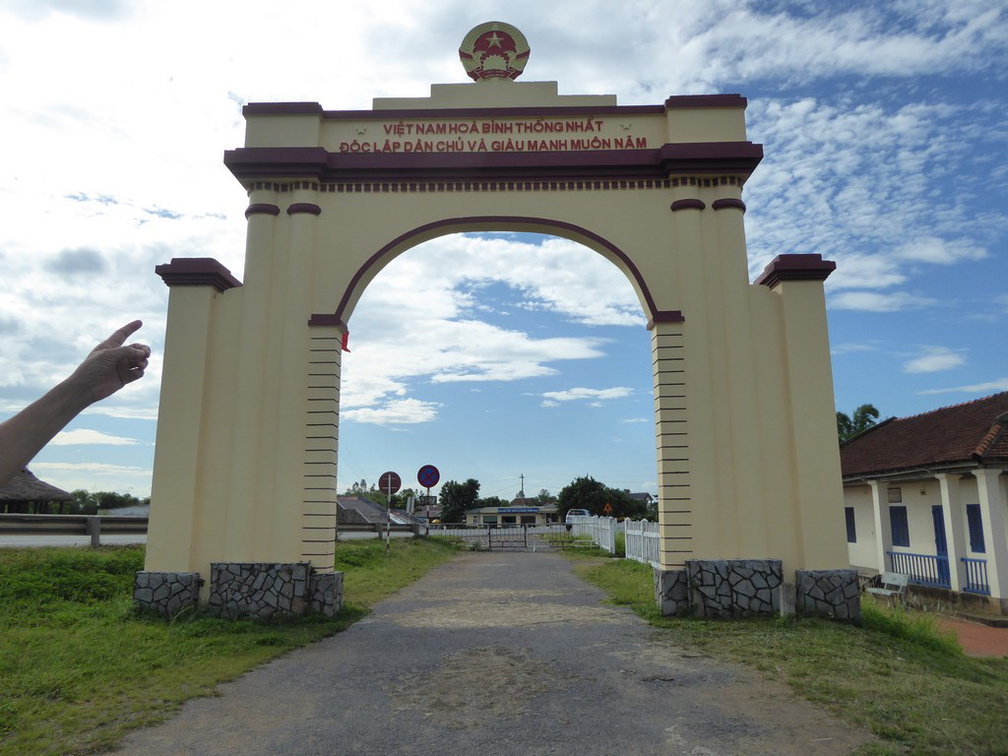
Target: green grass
x: 79, y: 667
x: 897, y: 675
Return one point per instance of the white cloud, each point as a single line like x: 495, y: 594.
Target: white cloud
x: 995, y: 386
x: 595, y: 396
x: 870, y: 301
x: 396, y: 412
x: 417, y: 322
x: 87, y: 437
x: 870, y: 161
x: 851, y: 348
x: 933, y: 360
x: 939, y: 251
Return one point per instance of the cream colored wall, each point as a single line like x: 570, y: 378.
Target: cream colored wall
x: 919, y: 495
x: 862, y: 553
x: 247, y: 440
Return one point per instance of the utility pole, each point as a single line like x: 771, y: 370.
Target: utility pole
x: 521, y: 491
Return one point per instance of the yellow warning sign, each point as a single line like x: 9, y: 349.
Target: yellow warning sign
x: 607, y: 509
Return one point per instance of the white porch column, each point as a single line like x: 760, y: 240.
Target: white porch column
x: 883, y: 528
x: 955, y: 532
x: 992, y: 514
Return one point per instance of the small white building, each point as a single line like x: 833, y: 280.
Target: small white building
x: 927, y: 496
x: 519, y: 512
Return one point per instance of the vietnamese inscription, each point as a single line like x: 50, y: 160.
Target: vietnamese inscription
x: 540, y: 135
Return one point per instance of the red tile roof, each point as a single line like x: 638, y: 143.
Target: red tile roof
x: 972, y: 432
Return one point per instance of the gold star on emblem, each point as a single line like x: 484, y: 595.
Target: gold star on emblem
x: 494, y: 41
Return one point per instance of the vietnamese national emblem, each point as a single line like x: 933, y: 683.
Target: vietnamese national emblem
x: 494, y: 51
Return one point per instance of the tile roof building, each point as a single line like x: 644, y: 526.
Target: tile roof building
x: 927, y: 495
x: 25, y: 492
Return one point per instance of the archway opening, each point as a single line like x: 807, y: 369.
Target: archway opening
x: 520, y: 360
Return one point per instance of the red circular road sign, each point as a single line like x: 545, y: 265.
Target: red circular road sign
x: 389, y: 483
x: 428, y: 476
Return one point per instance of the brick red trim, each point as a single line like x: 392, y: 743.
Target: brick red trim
x: 304, y: 207
x: 666, y: 316
x: 687, y: 204
x: 327, y: 320
x: 721, y: 204
x: 796, y: 268
x: 317, y: 164
x: 262, y: 208
x: 197, y: 271
x: 679, y: 102
x: 489, y: 223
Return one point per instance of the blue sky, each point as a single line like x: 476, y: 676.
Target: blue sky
x: 884, y: 132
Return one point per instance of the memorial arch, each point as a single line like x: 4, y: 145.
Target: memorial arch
x: 746, y: 450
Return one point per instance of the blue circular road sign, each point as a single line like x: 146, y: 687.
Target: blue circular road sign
x: 428, y: 476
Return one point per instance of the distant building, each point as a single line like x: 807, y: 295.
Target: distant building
x: 520, y: 511
x: 26, y: 494
x: 359, y: 510
x: 928, y: 496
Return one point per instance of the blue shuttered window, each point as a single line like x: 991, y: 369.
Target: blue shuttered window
x: 851, y: 529
x: 975, y: 523
x: 900, y: 528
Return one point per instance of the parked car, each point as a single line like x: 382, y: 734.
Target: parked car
x: 572, y: 513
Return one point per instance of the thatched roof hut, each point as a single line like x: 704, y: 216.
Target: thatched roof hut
x: 24, y: 493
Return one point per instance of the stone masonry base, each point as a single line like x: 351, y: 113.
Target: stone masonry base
x: 243, y: 589
x: 729, y: 588
x: 828, y: 593
x: 167, y: 593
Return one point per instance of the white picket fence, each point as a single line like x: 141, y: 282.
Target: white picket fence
x: 642, y: 541
x: 602, y: 530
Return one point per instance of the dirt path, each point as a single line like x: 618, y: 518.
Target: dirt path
x: 498, y: 654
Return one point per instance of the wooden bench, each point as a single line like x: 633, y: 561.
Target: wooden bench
x: 892, y: 585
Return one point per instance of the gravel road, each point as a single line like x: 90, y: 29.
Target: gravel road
x: 498, y: 653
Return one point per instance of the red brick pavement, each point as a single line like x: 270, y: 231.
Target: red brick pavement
x: 977, y: 639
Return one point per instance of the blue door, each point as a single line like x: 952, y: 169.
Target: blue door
x: 941, y: 547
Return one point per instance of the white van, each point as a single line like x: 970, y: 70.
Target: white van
x: 572, y: 513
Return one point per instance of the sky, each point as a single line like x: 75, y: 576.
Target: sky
x: 885, y: 134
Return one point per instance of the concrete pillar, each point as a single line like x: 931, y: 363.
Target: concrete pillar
x: 196, y: 285
x: 757, y: 519
x: 993, y: 508
x: 247, y: 510
x: 286, y: 381
x: 819, y: 493
x: 953, y: 513
x: 883, y: 526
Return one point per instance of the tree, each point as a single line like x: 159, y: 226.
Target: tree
x: 492, y: 501
x: 582, y: 493
x: 864, y: 417
x: 545, y: 497
x: 456, y: 498
x: 587, y: 493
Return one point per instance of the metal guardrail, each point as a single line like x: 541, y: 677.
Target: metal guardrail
x: 78, y: 525
x: 924, y: 569
x: 976, y: 576
x: 377, y: 527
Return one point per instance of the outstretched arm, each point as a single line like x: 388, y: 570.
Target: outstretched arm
x: 108, y: 368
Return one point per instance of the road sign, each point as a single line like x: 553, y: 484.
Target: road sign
x: 428, y: 476
x: 607, y: 509
x: 389, y: 483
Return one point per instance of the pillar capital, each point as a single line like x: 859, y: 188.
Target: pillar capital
x: 197, y: 271
x: 796, y: 268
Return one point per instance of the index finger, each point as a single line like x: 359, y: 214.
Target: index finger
x: 119, y: 337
